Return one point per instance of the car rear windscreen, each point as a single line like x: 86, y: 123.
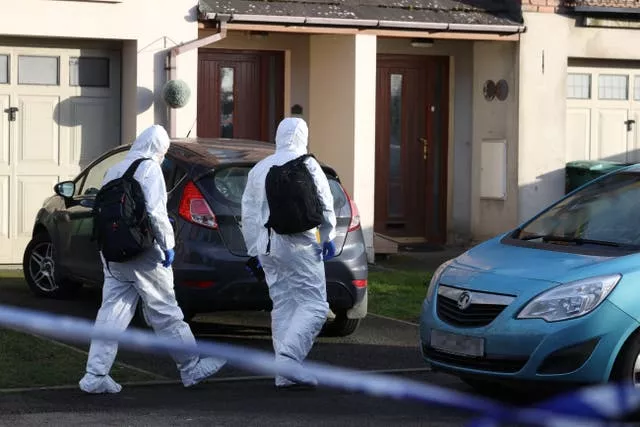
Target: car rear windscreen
x: 228, y: 184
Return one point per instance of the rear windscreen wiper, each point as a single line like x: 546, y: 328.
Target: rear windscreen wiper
x: 576, y: 240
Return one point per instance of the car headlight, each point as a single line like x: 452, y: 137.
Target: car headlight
x: 435, y: 279
x: 570, y: 300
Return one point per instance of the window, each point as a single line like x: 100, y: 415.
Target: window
x: 226, y: 102
x: 230, y: 182
x: 89, y: 72
x: 173, y: 174
x: 579, y: 86
x: 613, y: 87
x: 38, y: 70
x: 95, y: 176
x: 4, y: 69
x: 395, y: 201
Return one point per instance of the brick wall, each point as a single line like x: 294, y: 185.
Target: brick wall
x: 545, y: 6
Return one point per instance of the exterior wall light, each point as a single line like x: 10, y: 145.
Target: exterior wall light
x: 421, y: 42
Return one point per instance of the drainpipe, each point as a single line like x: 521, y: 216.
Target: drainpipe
x: 220, y: 34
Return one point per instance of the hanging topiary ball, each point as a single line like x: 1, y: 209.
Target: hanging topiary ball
x: 176, y: 93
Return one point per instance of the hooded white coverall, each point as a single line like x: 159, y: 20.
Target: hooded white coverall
x: 144, y: 278
x: 294, y: 269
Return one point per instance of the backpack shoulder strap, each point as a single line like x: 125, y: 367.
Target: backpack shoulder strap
x: 133, y: 168
x: 302, y: 158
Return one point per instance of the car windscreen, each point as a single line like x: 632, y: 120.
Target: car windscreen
x: 605, y: 212
x: 228, y: 185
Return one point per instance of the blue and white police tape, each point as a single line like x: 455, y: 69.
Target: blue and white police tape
x: 491, y: 412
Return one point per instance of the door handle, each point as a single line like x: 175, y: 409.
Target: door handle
x: 425, y: 147
x: 12, y: 113
x: 629, y: 124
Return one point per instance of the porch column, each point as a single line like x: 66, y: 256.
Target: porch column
x: 342, y: 109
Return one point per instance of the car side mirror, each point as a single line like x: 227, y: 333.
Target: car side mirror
x: 65, y: 189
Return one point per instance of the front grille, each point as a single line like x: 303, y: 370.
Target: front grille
x: 507, y: 365
x: 475, y: 315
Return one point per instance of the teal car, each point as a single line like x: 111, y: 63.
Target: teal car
x: 557, y: 300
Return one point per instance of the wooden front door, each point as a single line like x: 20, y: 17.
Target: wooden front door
x: 240, y: 93
x: 411, y: 146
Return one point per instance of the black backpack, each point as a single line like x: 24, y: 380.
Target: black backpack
x: 120, y: 222
x: 292, y: 195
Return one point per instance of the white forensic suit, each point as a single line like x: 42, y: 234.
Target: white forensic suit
x: 144, y: 278
x: 294, y: 269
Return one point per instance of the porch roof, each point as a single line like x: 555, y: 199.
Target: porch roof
x: 500, y: 16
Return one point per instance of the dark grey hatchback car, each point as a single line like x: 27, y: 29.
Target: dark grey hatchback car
x: 205, y: 180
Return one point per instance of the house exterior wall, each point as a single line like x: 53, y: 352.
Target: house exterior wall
x: 494, y: 120
x: 148, y: 27
x: 543, y: 62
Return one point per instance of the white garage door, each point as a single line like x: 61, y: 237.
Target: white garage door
x: 59, y: 109
x: 603, y: 114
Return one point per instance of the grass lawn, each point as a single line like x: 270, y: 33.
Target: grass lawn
x: 29, y: 361
x: 398, y: 294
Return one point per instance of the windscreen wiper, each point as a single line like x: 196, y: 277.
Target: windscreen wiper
x: 576, y: 240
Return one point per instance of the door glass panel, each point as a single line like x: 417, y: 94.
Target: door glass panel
x: 612, y: 86
x: 4, y: 69
x: 636, y: 86
x: 38, y: 70
x: 395, y: 196
x: 271, y: 96
x: 226, y: 102
x: 579, y: 86
x: 89, y: 72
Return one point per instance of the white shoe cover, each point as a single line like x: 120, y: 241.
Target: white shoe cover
x: 205, y: 368
x: 94, y: 384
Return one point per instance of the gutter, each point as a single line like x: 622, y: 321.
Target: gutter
x: 607, y: 10
x: 172, y: 56
x: 363, y: 23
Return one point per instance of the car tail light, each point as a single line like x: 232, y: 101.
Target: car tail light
x: 355, y: 213
x: 359, y: 283
x: 200, y: 284
x: 194, y: 208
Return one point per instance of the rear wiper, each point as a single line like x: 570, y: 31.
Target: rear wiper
x: 576, y: 240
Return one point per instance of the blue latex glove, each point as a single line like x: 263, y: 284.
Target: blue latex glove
x: 169, y: 256
x: 328, y: 250
x: 254, y: 267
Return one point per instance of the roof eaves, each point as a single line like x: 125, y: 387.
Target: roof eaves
x: 363, y: 23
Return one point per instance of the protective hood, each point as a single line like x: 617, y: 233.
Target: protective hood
x: 292, y: 135
x: 152, y: 143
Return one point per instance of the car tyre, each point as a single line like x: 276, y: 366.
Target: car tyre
x: 625, y: 368
x: 41, y: 272
x: 341, y: 326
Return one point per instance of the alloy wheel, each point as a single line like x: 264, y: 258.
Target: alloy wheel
x: 42, y: 267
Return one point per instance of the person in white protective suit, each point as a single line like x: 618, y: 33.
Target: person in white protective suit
x: 293, y: 267
x: 147, y: 279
